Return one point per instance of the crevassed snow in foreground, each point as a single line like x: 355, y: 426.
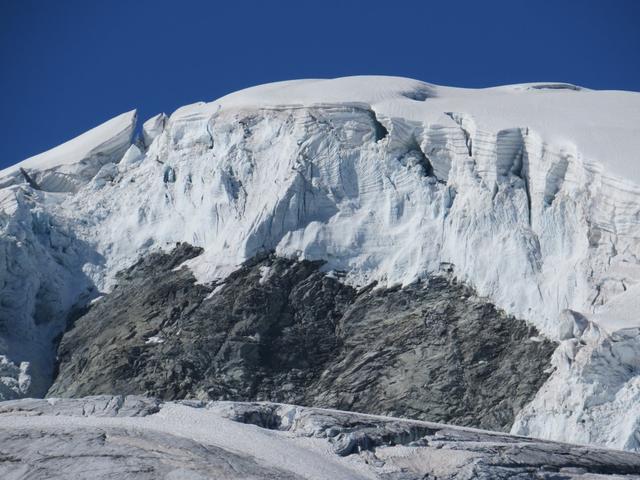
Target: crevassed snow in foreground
x: 138, y: 437
x: 530, y: 191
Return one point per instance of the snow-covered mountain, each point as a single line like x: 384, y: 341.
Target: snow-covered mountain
x: 529, y: 193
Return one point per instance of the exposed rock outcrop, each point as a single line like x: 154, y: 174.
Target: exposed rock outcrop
x: 282, y: 330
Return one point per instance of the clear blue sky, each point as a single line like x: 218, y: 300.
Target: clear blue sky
x: 68, y: 65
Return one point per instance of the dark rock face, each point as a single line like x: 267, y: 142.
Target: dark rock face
x: 283, y: 331
x: 435, y: 352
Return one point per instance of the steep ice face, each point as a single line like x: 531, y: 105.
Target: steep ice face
x: 593, y: 395
x: 530, y: 192
x: 42, y: 279
x: 152, y: 128
x: 532, y: 225
x: 41, y: 271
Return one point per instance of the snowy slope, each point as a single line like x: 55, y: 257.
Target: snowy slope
x: 68, y: 166
x: 137, y: 437
x: 531, y: 192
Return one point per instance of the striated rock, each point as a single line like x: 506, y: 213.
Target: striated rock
x: 282, y: 330
x: 434, y: 351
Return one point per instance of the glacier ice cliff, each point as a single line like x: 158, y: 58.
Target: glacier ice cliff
x: 529, y: 192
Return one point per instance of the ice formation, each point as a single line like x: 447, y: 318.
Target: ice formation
x: 133, y: 437
x: 530, y: 192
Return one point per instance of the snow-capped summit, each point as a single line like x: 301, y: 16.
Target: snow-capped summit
x: 599, y: 126
x: 531, y: 193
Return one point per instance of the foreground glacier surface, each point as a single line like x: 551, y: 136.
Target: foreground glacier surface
x: 527, y: 193
x: 139, y: 437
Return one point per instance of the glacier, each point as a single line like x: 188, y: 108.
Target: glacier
x: 134, y: 437
x: 530, y: 193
